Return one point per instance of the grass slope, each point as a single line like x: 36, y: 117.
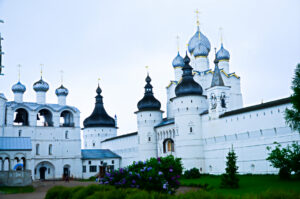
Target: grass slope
x: 10, y: 190
x: 249, y: 184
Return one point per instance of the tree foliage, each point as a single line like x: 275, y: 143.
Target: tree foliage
x: 230, y: 178
x: 292, y: 116
x: 287, y: 159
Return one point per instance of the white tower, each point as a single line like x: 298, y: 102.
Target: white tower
x: 189, y: 104
x: 218, y: 94
x: 148, y: 116
x: 98, y: 126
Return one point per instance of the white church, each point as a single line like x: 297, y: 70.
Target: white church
x: 204, y: 118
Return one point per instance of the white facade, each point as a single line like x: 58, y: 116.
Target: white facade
x: 202, y: 129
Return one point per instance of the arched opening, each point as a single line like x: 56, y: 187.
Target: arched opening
x: 21, y: 117
x: 24, y: 162
x: 67, y: 135
x: 6, y: 164
x: 44, y: 171
x: 44, y: 118
x: 66, y: 173
x: 168, y: 145
x: 66, y: 119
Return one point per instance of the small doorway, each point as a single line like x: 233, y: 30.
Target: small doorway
x: 102, y: 171
x: 42, y: 173
x: 66, y: 173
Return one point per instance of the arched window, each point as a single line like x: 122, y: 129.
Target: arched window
x: 168, y: 145
x: 21, y: 117
x: 44, y: 118
x: 66, y: 119
x: 50, y: 149
x: 67, y: 135
x: 37, y: 149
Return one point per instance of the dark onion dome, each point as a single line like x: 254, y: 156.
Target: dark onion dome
x: 201, y: 51
x: 148, y: 102
x: 99, y: 117
x: 18, y: 88
x: 62, y: 91
x: 198, y: 39
x: 223, y: 54
x: 41, y: 86
x: 178, y: 61
x: 187, y: 86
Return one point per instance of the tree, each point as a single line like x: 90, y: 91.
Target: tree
x: 292, y: 116
x: 287, y: 159
x: 230, y: 178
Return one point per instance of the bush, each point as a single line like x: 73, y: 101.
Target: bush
x: 192, y: 173
x: 156, y: 174
x: 286, y: 159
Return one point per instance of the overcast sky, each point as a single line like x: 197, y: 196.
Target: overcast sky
x: 115, y: 40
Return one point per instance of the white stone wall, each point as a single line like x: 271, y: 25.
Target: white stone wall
x: 92, y: 137
x: 126, y: 147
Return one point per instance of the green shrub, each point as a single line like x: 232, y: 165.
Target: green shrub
x: 230, y: 178
x: 156, y: 174
x: 192, y: 173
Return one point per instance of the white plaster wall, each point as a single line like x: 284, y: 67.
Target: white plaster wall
x: 126, y: 147
x: 41, y: 97
x: 18, y: 97
x: 97, y: 135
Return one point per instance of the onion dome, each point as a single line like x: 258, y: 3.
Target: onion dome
x: 223, y: 54
x: 61, y: 91
x: 99, y: 117
x: 198, y: 39
x: 18, y: 88
x: 178, y: 61
x: 187, y: 86
x: 41, y: 86
x: 148, y: 102
x: 200, y: 51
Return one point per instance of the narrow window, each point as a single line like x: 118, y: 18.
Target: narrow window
x: 112, y: 162
x: 93, y: 144
x: 150, y: 114
x: 90, y: 162
x: 149, y: 139
x: 66, y: 135
x: 101, y: 162
x: 83, y: 169
x: 50, y: 149
x: 20, y: 133
x: 191, y: 129
x: 37, y: 149
x: 48, y: 170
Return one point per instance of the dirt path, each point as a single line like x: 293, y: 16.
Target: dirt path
x: 41, y: 189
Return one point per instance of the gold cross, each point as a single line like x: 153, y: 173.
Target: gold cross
x: 221, y: 34
x: 177, y: 38
x: 41, y: 70
x: 98, y: 80
x: 61, y: 76
x: 19, y: 71
x: 197, y: 15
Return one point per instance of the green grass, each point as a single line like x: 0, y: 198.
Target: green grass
x: 10, y: 190
x: 249, y: 184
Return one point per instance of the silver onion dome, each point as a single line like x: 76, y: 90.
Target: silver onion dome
x: 41, y: 86
x: 18, y: 88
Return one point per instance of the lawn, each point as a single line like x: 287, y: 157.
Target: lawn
x: 249, y: 184
x: 10, y: 190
